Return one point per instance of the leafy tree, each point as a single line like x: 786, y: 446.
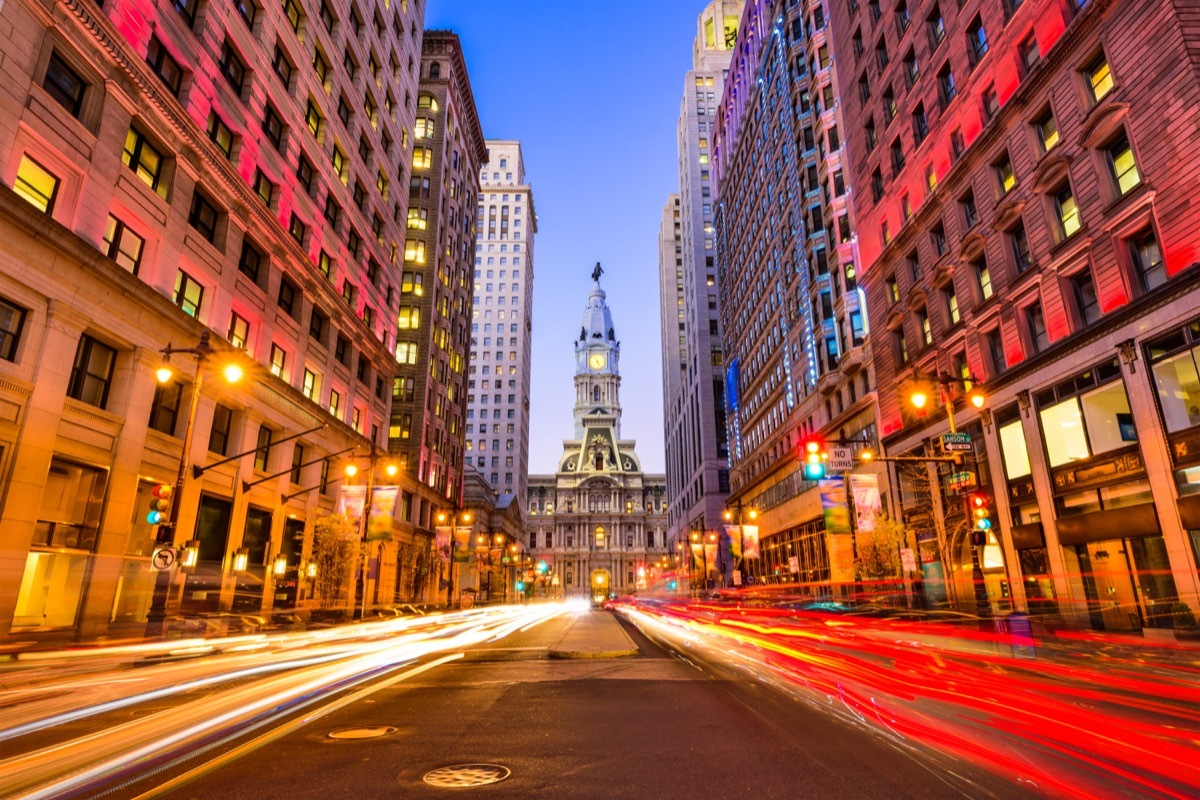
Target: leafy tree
x: 879, y: 549
x: 334, y: 547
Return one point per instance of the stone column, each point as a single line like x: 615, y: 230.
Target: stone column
x: 34, y: 448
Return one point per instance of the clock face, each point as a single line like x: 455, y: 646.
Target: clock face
x: 597, y: 361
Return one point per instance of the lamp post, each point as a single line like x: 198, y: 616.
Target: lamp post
x: 919, y: 399
x: 453, y: 516
x: 737, y: 513
x: 165, y: 535
x: 364, y: 527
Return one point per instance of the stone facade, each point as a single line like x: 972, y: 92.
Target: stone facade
x: 214, y: 168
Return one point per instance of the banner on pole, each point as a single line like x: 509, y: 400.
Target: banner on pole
x: 833, y: 503
x: 383, y: 511
x: 710, y: 557
x: 868, y: 506
x: 442, y: 542
x: 350, y: 504
x: 735, y: 540
x: 462, y: 545
x: 750, y: 541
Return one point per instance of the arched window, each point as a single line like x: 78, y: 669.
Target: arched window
x: 595, y: 394
x: 435, y: 70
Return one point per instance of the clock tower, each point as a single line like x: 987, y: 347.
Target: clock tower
x: 597, y: 353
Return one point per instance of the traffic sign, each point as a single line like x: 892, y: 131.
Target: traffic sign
x: 961, y: 480
x: 840, y: 459
x: 957, y: 443
x: 164, y: 557
x: 908, y: 560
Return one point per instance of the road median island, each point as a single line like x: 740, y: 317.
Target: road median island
x: 594, y: 634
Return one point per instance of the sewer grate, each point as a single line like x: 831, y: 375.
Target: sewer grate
x: 467, y: 775
x: 369, y: 732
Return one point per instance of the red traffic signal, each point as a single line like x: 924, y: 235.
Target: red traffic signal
x: 813, y: 457
x: 160, y: 503
x: 980, y: 505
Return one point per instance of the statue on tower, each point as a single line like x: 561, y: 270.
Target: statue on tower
x: 597, y: 272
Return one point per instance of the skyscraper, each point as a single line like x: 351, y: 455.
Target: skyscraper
x: 693, y: 356
x: 797, y: 363
x: 428, y: 395
x: 598, y: 523
x: 185, y: 173
x: 1025, y: 183
x: 502, y: 324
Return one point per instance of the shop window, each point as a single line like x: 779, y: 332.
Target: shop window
x: 1012, y: 445
x: 1175, y: 361
x: 72, y: 500
x: 1079, y: 422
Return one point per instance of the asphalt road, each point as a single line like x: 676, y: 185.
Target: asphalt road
x: 650, y: 726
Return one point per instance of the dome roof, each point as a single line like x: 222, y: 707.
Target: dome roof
x: 597, y: 319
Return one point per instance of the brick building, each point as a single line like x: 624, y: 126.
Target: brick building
x: 1025, y: 179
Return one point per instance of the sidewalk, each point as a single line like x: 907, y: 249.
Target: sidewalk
x: 594, y: 634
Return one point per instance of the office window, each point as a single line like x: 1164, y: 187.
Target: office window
x: 278, y: 360
x: 233, y: 68
x: 1067, y: 212
x: 289, y: 298
x: 251, y: 261
x: 1099, y: 77
x: 1083, y: 291
x: 309, y: 387
x: 994, y: 342
x: 12, y: 323
x: 272, y: 126
x: 262, y: 455
x: 977, y: 44
x: 920, y: 124
x: 991, y: 102
x: 969, y: 209
x: 239, y: 331
x: 341, y: 350
x: 297, y: 463
x: 123, y: 245
x: 220, y: 134
x: 335, y: 403
x: 1019, y: 244
x: 314, y: 120
x: 1121, y: 165
x: 983, y: 277
x: 1035, y: 323
x: 37, y: 185
x: 1147, y: 260
x: 291, y: 10
x: 218, y: 434
x: 937, y: 28
x: 187, y: 9
x: 91, y: 372
x: 282, y: 65
x: 1047, y: 131
x: 900, y: 346
x: 925, y: 326
x: 953, y: 314
x: 166, y: 68
x: 893, y: 290
x: 1004, y: 174
x: 946, y: 87
x: 263, y: 187
x: 164, y: 409
x: 297, y: 228
x: 304, y: 173
x: 203, y: 216
x: 64, y: 85
x: 318, y: 325
x: 188, y: 293
x: 145, y: 161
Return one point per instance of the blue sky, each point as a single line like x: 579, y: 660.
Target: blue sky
x: 592, y: 90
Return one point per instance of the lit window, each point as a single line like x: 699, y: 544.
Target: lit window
x: 1067, y: 211
x: 36, y: 184
x: 188, y: 293
x: 1121, y: 165
x: 278, y: 360
x: 1047, y: 130
x: 145, y: 161
x: 1147, y: 260
x: 1099, y: 78
x: 123, y: 245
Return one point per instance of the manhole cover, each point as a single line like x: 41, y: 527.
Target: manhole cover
x: 361, y: 733
x: 465, y: 775
x: 145, y: 712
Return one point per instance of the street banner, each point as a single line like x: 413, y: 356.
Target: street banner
x: 698, y: 556
x: 868, y: 506
x: 833, y: 502
x: 350, y: 504
x: 462, y: 545
x: 841, y: 558
x: 442, y: 542
x: 383, y: 510
x: 750, y: 541
x: 735, y: 540
x: 710, y: 557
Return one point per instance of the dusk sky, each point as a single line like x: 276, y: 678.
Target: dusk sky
x: 592, y: 91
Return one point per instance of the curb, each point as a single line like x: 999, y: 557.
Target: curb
x: 593, y: 653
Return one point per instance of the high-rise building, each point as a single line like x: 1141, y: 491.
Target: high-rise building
x: 793, y: 317
x: 193, y: 175
x: 501, y: 323
x: 1025, y: 183
x: 429, y: 393
x: 693, y: 387
x: 598, y: 523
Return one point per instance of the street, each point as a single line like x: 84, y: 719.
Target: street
x: 553, y: 700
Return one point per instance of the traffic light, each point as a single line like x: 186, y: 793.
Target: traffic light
x: 520, y: 586
x: 814, y: 458
x: 979, y: 511
x: 160, y: 503
x: 542, y: 567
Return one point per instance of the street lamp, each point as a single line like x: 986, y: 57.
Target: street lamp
x: 165, y: 535
x: 351, y: 471
x: 453, y: 517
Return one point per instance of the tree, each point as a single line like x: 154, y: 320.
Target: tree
x: 335, y: 540
x: 879, y: 549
